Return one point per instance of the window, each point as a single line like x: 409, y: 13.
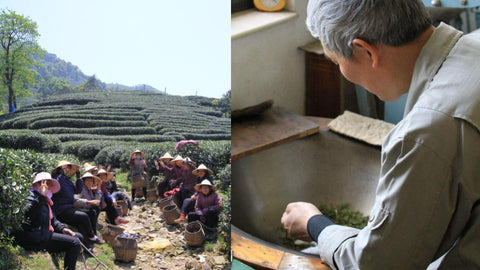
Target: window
x: 240, y: 5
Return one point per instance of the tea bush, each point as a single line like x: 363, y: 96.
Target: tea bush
x: 16, y: 177
x: 19, y: 139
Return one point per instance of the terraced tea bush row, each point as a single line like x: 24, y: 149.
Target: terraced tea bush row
x: 135, y: 138
x: 214, y: 154
x: 70, y: 101
x: 20, y: 139
x: 65, y: 122
x: 23, y: 121
x: 113, y: 131
x: 16, y: 177
x: 196, y: 131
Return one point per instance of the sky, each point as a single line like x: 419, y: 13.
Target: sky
x: 183, y: 46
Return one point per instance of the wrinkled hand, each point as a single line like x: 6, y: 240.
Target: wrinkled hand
x: 193, y: 197
x: 67, y: 231
x: 295, y: 219
x: 94, y: 202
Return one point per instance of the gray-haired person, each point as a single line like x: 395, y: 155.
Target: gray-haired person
x: 426, y: 213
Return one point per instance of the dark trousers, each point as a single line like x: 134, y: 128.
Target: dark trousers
x: 68, y: 244
x: 210, y: 219
x: 112, y: 213
x: 188, y: 206
x: 163, y: 186
x: 144, y: 193
x: 81, y: 221
x: 182, y: 195
x: 93, y: 217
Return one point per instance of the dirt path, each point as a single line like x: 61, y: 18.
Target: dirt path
x: 147, y: 222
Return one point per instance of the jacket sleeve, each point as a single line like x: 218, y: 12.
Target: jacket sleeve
x: 413, y: 208
x: 81, y: 203
x: 218, y: 204
x: 57, y: 225
x: 78, y: 186
x: 36, y: 204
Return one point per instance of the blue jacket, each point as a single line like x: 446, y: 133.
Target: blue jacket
x: 63, y: 199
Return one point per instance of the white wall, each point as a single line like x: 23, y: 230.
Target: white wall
x: 268, y: 64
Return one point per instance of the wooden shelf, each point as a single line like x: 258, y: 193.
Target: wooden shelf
x: 274, y: 127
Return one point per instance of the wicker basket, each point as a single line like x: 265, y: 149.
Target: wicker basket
x: 110, y: 232
x: 166, y: 202
x: 139, y: 193
x: 194, y: 234
x: 119, y: 209
x: 170, y: 214
x: 138, y: 181
x: 124, y: 205
x: 125, y: 249
x: 152, y: 195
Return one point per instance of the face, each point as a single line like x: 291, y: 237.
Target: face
x: 103, y: 177
x: 137, y: 156
x: 69, y: 170
x: 205, y: 190
x: 88, y: 182
x: 201, y: 173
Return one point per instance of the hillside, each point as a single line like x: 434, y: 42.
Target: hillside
x: 121, y: 116
x: 50, y: 66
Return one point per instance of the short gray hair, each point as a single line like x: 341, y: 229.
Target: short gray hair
x: 390, y: 22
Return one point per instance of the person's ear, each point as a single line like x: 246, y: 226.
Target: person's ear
x: 365, y: 50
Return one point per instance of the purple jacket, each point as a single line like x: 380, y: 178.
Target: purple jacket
x: 211, y: 202
x: 167, y: 172
x: 189, y: 179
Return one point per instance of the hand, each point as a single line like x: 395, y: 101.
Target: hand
x: 114, y: 202
x: 194, y: 198
x: 162, y: 164
x: 94, y: 202
x: 109, y: 167
x: 156, y: 163
x: 44, y: 188
x: 67, y: 231
x: 295, y: 219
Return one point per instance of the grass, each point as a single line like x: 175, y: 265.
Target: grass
x: 122, y: 181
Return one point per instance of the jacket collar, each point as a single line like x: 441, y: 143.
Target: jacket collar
x: 429, y: 61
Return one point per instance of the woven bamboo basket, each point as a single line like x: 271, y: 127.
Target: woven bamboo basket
x: 138, y: 193
x: 165, y: 202
x: 119, y: 209
x: 110, y: 232
x: 152, y: 195
x: 125, y: 249
x: 124, y: 205
x: 194, y: 234
x: 138, y: 181
x: 170, y: 214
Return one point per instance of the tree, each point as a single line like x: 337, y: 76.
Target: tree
x: 18, y: 41
x: 223, y: 104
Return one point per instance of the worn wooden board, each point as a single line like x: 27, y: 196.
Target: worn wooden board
x: 274, y: 127
x: 261, y: 256
x: 322, y: 122
x: 256, y: 255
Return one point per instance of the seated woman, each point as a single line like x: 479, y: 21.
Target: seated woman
x: 207, y: 206
x: 165, y: 184
x: 41, y: 230
x: 202, y: 173
x: 189, y: 180
x: 63, y: 202
x: 110, y: 202
x: 89, y: 200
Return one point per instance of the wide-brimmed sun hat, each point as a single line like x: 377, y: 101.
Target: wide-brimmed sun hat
x: 177, y: 158
x: 166, y: 156
x: 61, y: 163
x: 109, y: 175
x: 87, y: 167
x: 96, y: 179
x: 137, y: 152
x: 205, y: 182
x: 202, y: 167
x: 54, y: 186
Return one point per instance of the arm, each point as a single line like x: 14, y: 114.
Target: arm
x: 218, y: 204
x: 411, y: 214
